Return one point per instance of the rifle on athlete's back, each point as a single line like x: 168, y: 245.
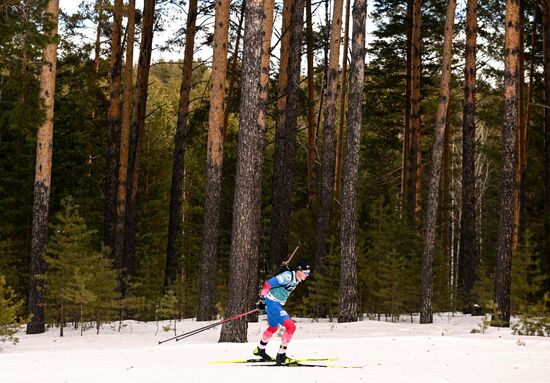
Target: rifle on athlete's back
x: 284, y: 265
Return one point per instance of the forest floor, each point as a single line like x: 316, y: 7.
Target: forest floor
x: 445, y: 351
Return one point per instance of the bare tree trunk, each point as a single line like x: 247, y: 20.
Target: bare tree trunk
x: 521, y: 127
x: 264, y: 83
x: 248, y: 180
x: 113, y: 135
x: 414, y: 120
x: 525, y: 132
x: 118, y: 241
x: 234, y: 60
x: 349, y: 299
x: 267, y: 30
x: 274, y: 254
x: 285, y: 142
x: 467, y: 247
x: 180, y: 142
x: 405, y: 163
x: 546, y: 43
x: 43, y: 177
x: 509, y: 137
x: 419, y: 172
x: 426, y: 315
x: 311, y: 123
x: 97, y: 59
x: 140, y: 107
x: 343, y: 104
x: 216, y: 128
x: 445, y: 209
x: 329, y: 126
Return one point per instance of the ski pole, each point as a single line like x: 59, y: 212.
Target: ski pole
x: 194, y: 332
x: 212, y: 325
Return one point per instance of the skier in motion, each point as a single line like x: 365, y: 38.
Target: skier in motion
x: 273, y: 296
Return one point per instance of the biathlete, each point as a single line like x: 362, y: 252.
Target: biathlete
x: 273, y: 296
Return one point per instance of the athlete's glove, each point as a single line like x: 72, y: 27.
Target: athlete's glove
x: 261, y: 304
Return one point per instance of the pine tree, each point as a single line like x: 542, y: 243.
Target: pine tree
x: 246, y: 225
x: 122, y: 189
x: 113, y: 135
x: 10, y: 307
x: 468, y: 251
x: 509, y: 149
x: 391, y: 268
x: 426, y: 315
x: 329, y: 133
x: 285, y: 142
x: 80, y: 282
x: 67, y: 245
x: 323, y: 288
x: 348, y: 279
x: 180, y: 143
x: 43, y: 175
x: 527, y: 279
x: 168, y: 308
x: 138, y: 126
x: 546, y: 55
x: 216, y: 131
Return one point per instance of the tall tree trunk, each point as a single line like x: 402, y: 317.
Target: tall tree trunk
x: 343, y: 104
x: 419, y: 172
x: 521, y: 127
x: 180, y: 142
x: 97, y: 58
x: 233, y: 70
x: 467, y: 248
x: 509, y: 136
x: 525, y: 131
x: 311, y: 123
x: 118, y: 243
x: 445, y: 170
x: 113, y: 134
x: 248, y: 180
x: 414, y: 119
x: 138, y: 125
x: 288, y: 6
x: 43, y: 176
x: 267, y: 27
x: 546, y: 43
x: 405, y: 163
x: 285, y: 142
x: 329, y: 126
x: 426, y: 315
x: 216, y: 128
x: 348, y: 280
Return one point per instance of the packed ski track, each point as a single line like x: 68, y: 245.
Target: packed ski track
x: 445, y: 351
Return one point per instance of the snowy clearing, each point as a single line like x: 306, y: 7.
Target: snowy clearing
x: 445, y: 351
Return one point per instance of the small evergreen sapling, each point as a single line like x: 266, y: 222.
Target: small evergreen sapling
x: 81, y: 284
x: 527, y: 279
x: 535, y: 319
x: 168, y: 309
x: 9, y: 309
x: 491, y: 318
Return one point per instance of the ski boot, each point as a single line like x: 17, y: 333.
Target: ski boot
x: 282, y: 359
x: 262, y: 354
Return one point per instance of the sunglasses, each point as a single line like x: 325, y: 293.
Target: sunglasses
x: 306, y: 272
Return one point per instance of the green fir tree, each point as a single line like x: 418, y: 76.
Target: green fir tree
x: 81, y: 284
x: 10, y: 307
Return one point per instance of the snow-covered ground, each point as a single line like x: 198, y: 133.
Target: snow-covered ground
x: 444, y: 351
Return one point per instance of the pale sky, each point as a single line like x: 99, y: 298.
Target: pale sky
x: 71, y: 6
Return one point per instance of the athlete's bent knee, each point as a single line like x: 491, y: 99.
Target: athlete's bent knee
x: 290, y: 326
